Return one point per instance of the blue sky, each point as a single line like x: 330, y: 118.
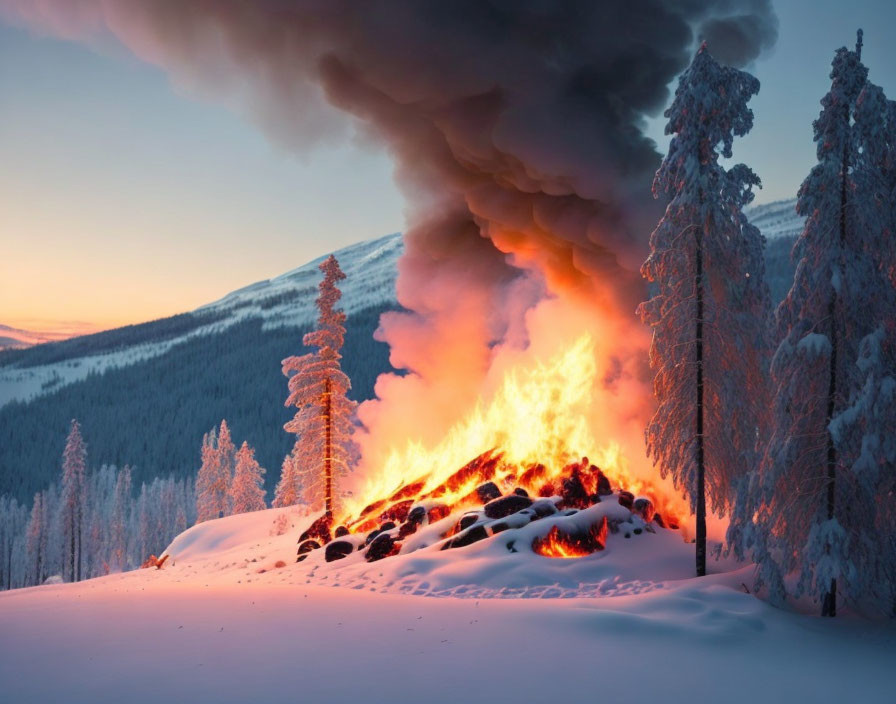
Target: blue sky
x: 137, y: 200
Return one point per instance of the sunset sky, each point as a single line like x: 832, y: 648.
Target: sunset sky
x: 127, y: 199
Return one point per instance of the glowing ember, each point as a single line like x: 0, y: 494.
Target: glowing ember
x: 559, y: 543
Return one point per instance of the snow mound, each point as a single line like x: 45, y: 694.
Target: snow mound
x: 637, y: 558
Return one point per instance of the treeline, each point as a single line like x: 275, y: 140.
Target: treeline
x: 120, y: 526
x: 92, y: 523
x: 154, y: 412
x: 783, y: 421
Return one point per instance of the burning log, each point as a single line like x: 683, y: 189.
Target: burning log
x: 384, y: 545
x: 510, y: 497
x: 643, y: 507
x: 437, y: 513
x: 337, y: 550
x: 487, y: 492
x: 533, y: 475
x: 397, y: 512
x: 627, y: 499
x: 481, y: 469
x: 499, y: 508
x: 560, y: 543
x: 467, y: 537
x: 319, y: 530
x: 305, y: 547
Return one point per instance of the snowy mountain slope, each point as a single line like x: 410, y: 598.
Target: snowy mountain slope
x: 223, y: 622
x: 776, y: 220
x: 287, y: 300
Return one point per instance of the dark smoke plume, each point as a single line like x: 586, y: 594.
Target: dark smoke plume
x: 515, y: 126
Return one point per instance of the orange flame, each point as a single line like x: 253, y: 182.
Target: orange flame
x: 559, y: 543
x: 537, y: 423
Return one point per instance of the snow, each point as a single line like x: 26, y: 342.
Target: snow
x: 814, y: 345
x: 777, y: 219
x: 287, y: 300
x: 222, y: 623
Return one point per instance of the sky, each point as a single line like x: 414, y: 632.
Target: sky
x: 125, y: 198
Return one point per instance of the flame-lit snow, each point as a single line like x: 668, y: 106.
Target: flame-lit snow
x: 222, y: 623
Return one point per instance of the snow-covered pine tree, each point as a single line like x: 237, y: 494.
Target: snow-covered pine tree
x: 318, y: 388
x: 74, y: 470
x: 816, y: 511
x: 864, y: 433
x: 227, y: 459
x: 288, y: 490
x: 36, y: 540
x: 711, y: 304
x: 213, y: 481
x: 246, y: 491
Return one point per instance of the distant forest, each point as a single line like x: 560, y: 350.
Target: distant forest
x: 152, y: 414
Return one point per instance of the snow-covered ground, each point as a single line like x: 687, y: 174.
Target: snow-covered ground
x: 223, y: 623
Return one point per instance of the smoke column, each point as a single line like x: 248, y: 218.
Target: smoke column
x: 515, y: 128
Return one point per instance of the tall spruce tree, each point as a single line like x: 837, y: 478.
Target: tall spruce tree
x: 226, y: 461
x: 711, y: 304
x: 821, y: 471
x: 74, y: 488
x: 318, y: 389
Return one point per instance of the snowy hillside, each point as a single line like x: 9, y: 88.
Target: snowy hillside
x: 776, y: 220
x: 287, y: 300
x: 233, y: 618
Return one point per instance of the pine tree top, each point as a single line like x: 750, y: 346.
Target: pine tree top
x: 709, y: 110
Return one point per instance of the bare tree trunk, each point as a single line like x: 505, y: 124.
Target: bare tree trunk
x: 829, y: 604
x: 71, y: 545
x: 328, y: 449
x: 701, y: 471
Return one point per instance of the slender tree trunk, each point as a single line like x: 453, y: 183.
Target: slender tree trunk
x: 701, y: 471
x: 40, y: 560
x: 71, y: 545
x: 829, y: 604
x: 328, y: 448
x: 78, y: 556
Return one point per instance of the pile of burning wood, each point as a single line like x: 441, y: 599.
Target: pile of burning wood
x: 482, y: 499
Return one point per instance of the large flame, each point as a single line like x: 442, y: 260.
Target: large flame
x: 537, y: 423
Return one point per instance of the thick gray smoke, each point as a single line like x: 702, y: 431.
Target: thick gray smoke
x: 515, y: 126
